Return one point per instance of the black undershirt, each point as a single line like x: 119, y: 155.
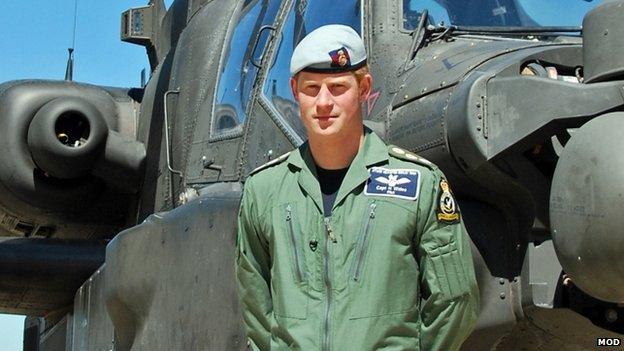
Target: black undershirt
x: 330, y: 180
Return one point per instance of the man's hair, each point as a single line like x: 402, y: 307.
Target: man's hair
x: 361, y: 72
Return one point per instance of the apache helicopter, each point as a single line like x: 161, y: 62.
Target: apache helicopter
x: 118, y: 205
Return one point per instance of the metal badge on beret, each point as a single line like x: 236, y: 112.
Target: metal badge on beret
x: 340, y: 57
x: 447, y: 211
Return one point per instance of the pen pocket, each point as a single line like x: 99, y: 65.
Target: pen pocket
x: 296, y: 244
x: 362, y: 243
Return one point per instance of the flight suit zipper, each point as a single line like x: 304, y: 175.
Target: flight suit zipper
x: 293, y: 240
x: 363, y: 242
x: 329, y: 236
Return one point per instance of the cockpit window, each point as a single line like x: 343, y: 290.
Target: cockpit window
x: 238, y: 74
x: 498, y: 13
x: 304, y: 17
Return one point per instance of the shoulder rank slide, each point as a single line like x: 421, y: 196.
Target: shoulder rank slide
x: 399, y: 183
x: 270, y: 163
x: 447, y: 211
x: 409, y: 156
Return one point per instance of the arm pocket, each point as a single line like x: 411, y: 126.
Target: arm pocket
x: 449, y: 272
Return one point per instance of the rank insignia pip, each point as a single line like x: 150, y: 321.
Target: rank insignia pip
x: 340, y: 58
x: 447, y: 211
x: 399, y: 183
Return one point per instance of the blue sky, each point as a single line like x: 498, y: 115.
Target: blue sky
x: 34, y: 37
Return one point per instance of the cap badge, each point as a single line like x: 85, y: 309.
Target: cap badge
x: 340, y: 57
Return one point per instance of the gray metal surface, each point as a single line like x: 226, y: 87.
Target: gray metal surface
x: 517, y: 117
x: 163, y: 307
x: 56, y: 339
x: 497, y: 316
x: 602, y: 42
x: 41, y: 275
x: 544, y: 273
x: 91, y: 327
x: 28, y: 195
x: 76, y: 204
x: 586, y: 207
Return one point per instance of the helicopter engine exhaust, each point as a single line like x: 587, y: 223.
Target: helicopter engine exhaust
x: 70, y: 158
x: 68, y: 139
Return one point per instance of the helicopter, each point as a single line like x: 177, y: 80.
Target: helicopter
x: 118, y: 205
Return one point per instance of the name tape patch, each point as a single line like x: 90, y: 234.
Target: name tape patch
x: 400, y: 183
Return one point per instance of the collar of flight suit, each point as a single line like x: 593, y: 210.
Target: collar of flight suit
x: 374, y: 151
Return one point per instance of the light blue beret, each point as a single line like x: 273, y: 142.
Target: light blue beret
x: 330, y: 48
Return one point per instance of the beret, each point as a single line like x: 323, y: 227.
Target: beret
x: 327, y: 49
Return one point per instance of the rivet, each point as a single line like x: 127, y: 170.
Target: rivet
x: 611, y: 315
x: 502, y: 296
x: 501, y: 281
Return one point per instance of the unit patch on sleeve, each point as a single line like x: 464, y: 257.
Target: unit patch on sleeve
x: 401, y: 183
x: 447, y: 211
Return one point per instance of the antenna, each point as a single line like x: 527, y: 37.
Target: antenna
x: 143, y: 83
x: 69, y: 70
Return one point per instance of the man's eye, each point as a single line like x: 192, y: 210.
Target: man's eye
x: 310, y: 89
x: 338, y: 88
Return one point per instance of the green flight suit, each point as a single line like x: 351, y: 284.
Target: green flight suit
x: 382, y: 272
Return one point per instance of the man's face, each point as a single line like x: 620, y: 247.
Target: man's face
x: 330, y: 103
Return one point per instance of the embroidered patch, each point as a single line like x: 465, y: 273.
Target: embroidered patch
x: 340, y: 57
x: 401, y: 183
x: 447, y: 211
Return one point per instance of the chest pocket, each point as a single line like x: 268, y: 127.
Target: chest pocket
x: 384, y: 272
x: 289, y: 276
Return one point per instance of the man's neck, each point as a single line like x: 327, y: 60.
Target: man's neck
x: 335, y: 153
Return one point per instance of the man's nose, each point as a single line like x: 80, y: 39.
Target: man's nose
x: 324, y: 99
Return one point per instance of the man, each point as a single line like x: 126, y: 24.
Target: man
x: 346, y: 243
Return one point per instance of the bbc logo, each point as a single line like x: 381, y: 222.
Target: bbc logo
x: 608, y: 342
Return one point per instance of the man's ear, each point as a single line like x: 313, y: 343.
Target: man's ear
x: 293, y: 87
x: 366, y: 86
